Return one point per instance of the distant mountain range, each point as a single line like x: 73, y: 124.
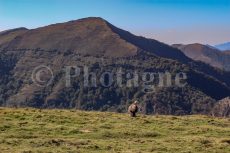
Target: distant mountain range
x: 101, y: 46
x: 207, y: 54
x: 223, y: 47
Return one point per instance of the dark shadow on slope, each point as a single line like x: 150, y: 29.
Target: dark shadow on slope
x: 163, y: 50
x: 151, y: 45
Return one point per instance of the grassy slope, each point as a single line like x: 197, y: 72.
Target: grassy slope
x: 31, y: 130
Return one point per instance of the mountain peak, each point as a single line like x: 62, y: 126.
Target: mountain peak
x: 88, y: 20
x: 94, y: 36
x: 197, y: 47
x: 91, y: 36
x: 92, y: 19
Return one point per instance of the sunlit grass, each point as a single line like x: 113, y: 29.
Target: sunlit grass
x: 34, y: 130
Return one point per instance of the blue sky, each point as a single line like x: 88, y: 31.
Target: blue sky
x: 170, y: 21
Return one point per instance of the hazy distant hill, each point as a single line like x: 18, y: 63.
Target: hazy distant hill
x: 224, y: 46
x: 95, y: 43
x: 206, y: 54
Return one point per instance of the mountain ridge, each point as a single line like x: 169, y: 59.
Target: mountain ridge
x: 207, y: 54
x: 98, y: 44
x: 51, y: 37
x: 223, y: 46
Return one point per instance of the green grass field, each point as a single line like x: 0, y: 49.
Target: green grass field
x: 33, y: 130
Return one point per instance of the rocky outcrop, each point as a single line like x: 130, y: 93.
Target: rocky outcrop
x: 222, y: 108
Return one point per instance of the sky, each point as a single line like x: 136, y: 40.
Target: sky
x: 169, y: 21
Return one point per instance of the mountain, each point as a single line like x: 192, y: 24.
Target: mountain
x: 102, y: 47
x: 223, y: 47
x: 206, y: 54
x: 116, y: 42
x: 75, y: 35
